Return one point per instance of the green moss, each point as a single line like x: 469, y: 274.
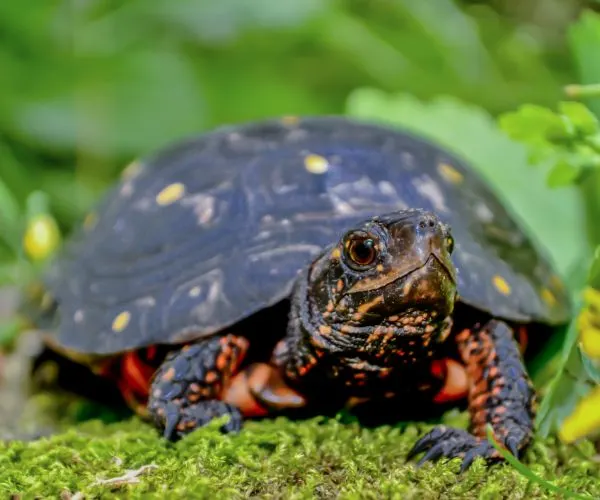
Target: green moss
x: 273, y: 459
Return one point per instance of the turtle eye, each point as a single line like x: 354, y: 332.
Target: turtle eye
x: 360, y: 250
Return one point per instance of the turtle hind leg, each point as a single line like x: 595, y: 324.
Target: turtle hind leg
x: 500, y: 394
x: 186, y: 390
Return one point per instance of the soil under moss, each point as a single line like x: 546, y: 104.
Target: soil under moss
x: 316, y: 458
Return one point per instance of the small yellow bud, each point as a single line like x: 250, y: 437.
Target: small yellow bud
x: 584, y: 420
x: 42, y: 237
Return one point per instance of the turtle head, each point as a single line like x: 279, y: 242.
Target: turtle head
x: 390, y: 277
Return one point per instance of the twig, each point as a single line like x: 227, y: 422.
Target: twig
x: 130, y: 477
x: 576, y: 91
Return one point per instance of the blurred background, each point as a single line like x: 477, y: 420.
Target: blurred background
x: 88, y: 86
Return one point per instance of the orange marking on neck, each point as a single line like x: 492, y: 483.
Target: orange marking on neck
x: 367, y: 306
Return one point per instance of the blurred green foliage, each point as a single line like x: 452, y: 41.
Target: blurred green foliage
x: 568, y: 142
x: 88, y: 86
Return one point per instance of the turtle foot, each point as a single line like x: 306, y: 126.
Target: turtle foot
x: 446, y: 442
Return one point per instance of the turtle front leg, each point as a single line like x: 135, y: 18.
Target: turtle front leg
x: 500, y: 394
x: 186, y: 391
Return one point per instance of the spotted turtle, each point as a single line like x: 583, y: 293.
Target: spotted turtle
x: 304, y: 263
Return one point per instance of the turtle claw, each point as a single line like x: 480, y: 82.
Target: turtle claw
x: 481, y: 450
x: 512, y: 443
x: 446, y: 442
x: 179, y: 422
x: 171, y: 421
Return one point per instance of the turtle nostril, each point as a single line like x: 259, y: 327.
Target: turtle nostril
x: 427, y: 222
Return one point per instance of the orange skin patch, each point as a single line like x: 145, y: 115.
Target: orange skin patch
x: 169, y: 374
x: 211, y: 377
x: 523, y: 338
x: 456, y: 386
x: 259, y: 389
x: 133, y: 376
x: 364, y: 308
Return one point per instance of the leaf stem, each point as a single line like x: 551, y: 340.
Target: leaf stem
x: 576, y: 91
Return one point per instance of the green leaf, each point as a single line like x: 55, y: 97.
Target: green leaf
x: 472, y: 132
x: 594, y: 142
x: 534, y: 124
x: 570, y: 383
x: 580, y: 116
x: 563, y: 174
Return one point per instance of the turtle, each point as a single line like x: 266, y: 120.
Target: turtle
x: 287, y: 263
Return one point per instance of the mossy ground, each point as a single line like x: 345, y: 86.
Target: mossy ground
x: 274, y: 458
x: 280, y: 458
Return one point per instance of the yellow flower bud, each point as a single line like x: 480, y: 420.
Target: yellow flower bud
x: 584, y: 420
x: 42, y: 237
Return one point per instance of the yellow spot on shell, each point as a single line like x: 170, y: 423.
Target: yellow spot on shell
x: 548, y: 297
x: 195, y: 292
x: 121, y: 321
x: 131, y: 170
x: 335, y: 253
x: 449, y: 173
x: 316, y: 164
x: 290, y: 120
x: 170, y: 194
x: 501, y: 285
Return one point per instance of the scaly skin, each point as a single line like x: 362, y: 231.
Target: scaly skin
x: 205, y: 380
x: 187, y: 388
x: 500, y: 394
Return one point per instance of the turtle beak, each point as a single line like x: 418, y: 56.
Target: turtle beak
x: 439, y: 251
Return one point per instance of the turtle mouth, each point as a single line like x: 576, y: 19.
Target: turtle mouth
x: 446, y: 266
x: 396, y: 277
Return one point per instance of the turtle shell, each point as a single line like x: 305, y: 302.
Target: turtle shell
x: 217, y: 227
